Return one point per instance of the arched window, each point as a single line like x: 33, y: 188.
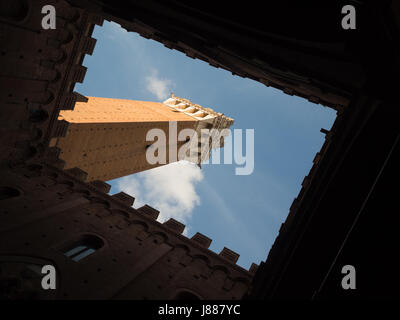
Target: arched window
x: 82, y: 248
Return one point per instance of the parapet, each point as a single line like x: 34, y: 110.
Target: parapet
x: 77, y: 173
x: 149, y: 211
x: 175, y: 225
x: 101, y: 185
x: 229, y: 255
x: 54, y: 60
x: 125, y: 198
x: 199, y: 239
x: 202, y: 240
x: 253, y: 268
x: 125, y: 202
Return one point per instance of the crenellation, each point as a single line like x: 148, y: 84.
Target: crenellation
x: 229, y: 255
x: 80, y: 97
x: 149, y: 211
x: 94, y: 212
x: 68, y: 101
x: 101, y: 186
x: 317, y: 157
x: 60, y: 128
x: 124, y: 198
x: 202, y: 240
x: 78, y: 73
x: 87, y: 45
x: 174, y: 225
x: 294, y: 204
x: 306, y: 181
x: 253, y: 268
x: 77, y: 173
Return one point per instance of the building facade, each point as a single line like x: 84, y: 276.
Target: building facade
x: 101, y: 247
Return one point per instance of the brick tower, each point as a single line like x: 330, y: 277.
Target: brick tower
x: 107, y: 137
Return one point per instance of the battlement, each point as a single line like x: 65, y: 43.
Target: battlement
x: 50, y: 64
x: 149, y: 216
x: 58, y: 66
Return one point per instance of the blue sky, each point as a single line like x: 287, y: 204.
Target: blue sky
x: 243, y: 213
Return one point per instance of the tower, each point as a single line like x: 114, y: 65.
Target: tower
x: 107, y: 138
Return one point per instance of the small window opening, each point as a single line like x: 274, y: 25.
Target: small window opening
x: 83, y: 248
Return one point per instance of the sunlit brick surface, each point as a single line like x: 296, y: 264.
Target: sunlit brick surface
x: 107, y: 137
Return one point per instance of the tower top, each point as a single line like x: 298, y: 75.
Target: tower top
x: 206, y: 118
x: 199, y: 112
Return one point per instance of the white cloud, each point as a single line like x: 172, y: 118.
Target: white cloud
x: 161, y: 88
x: 169, y: 189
